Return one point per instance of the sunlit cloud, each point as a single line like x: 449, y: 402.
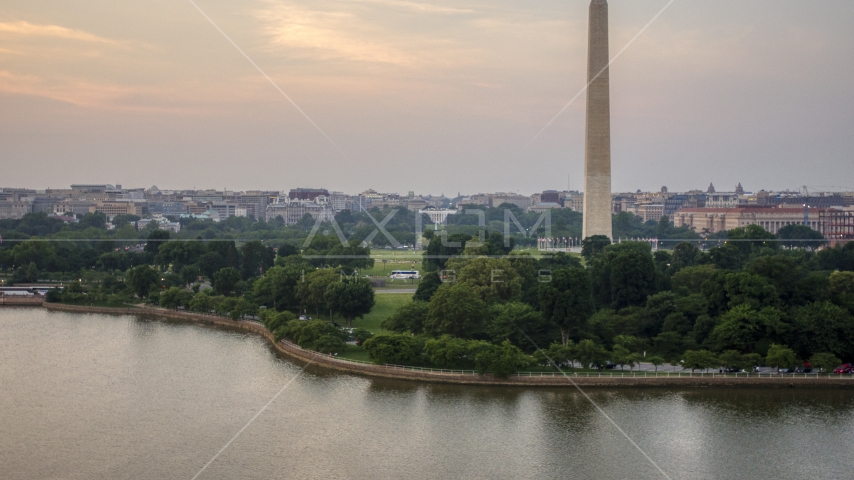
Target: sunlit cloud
x: 325, y: 35
x: 417, y: 6
x: 30, y: 29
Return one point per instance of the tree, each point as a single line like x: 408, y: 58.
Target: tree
x: 351, y: 298
x: 329, y: 344
x: 312, y: 334
x: 154, y: 240
x: 620, y: 355
x: 455, y: 309
x: 744, y: 288
x: 142, y: 279
x: 800, y: 236
x: 190, y: 274
x: 780, y: 355
x: 175, y: 297
x: 742, y: 327
x: 518, y: 322
x: 592, y: 246
x: 93, y: 220
x: 557, y: 354
x: 410, y: 317
x: 690, y: 280
x: 824, y: 361
x: 656, y: 361
x: 312, y: 290
x: 494, y: 279
x: 752, y: 237
x: 824, y: 327
x: 210, y: 263
x: 502, y: 360
x: 590, y: 353
x: 699, y: 360
x: 428, y: 286
x: 685, y: 254
x: 449, y: 352
x: 732, y: 359
x: 567, y: 301
x: 202, y: 303
x: 256, y: 258
x: 392, y: 348
x: 277, y: 288
x: 225, y: 280
x: 632, y: 278
x: 360, y: 335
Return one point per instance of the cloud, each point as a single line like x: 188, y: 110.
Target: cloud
x: 324, y: 35
x: 29, y: 29
x: 418, y: 6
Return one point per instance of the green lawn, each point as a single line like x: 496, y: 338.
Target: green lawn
x: 355, y: 353
x: 386, y: 305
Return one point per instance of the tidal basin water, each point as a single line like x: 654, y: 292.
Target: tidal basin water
x: 86, y: 396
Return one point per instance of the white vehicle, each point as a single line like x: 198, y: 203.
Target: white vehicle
x: 405, y: 274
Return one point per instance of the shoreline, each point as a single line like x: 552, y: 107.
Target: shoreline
x: 295, y: 352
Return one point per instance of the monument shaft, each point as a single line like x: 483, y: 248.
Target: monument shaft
x: 597, y: 150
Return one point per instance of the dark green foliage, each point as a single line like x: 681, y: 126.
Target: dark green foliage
x: 441, y: 248
x: 825, y: 361
x: 456, y: 309
x: 428, y: 286
x: 699, y: 360
x: 313, y: 334
x: 632, y: 278
x: 142, y: 279
x: 350, y: 299
x: 593, y: 246
x: 449, y: 352
x: 800, y: 236
x: 408, y: 318
x: 500, y: 360
x: 567, y: 301
x: 393, y: 348
x: 520, y: 323
x: 824, y: 327
x: 257, y: 258
x: 154, y: 240
x: 361, y: 335
x: 225, y: 280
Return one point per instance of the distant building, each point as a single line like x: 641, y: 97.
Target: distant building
x: 520, y: 201
x: 544, y: 206
x: 550, y: 196
x: 111, y: 209
x: 715, y: 220
x: 338, y: 201
x: 416, y: 203
x: 15, y: 209
x: 650, y: 211
x: 837, y: 224
x: 307, y: 193
x: 294, y: 210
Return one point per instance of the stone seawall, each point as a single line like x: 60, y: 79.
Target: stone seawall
x: 21, y: 300
x: 406, y: 373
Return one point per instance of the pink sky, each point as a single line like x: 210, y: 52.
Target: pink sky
x: 432, y: 96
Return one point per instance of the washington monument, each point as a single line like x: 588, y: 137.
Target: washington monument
x: 597, y: 149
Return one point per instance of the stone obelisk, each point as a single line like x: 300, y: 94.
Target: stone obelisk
x: 597, y: 150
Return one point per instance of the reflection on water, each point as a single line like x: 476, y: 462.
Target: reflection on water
x: 92, y: 396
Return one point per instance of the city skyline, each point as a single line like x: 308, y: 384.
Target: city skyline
x: 445, y: 95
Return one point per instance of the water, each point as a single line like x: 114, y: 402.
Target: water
x: 95, y: 396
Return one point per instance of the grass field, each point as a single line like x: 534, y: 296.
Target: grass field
x: 386, y: 305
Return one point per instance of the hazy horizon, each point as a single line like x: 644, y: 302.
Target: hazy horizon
x: 435, y: 97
